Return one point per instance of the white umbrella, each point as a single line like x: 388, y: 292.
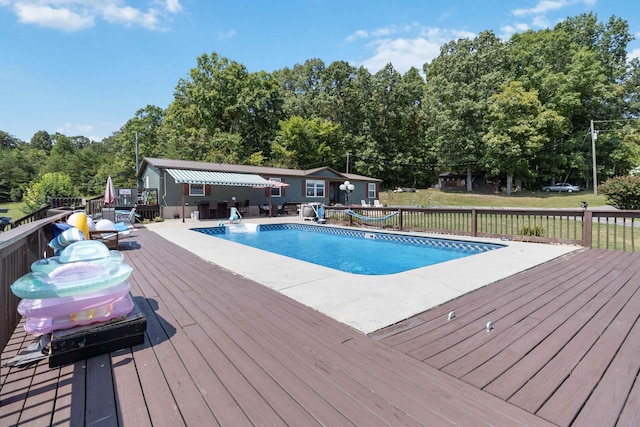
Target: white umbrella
x: 109, y: 193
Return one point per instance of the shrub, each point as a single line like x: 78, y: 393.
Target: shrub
x: 532, y: 231
x: 52, y: 184
x: 622, y: 192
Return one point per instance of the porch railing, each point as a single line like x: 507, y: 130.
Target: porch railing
x: 21, y: 246
x: 606, y: 229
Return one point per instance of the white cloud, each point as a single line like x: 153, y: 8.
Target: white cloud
x: 543, y: 7
x: 360, y: 34
x: 509, y: 30
x: 406, y: 52
x: 74, y: 15
x: 71, y: 129
x: 173, y: 6
x: 61, y: 19
x: 227, y: 34
x: 402, y: 53
x: 635, y: 53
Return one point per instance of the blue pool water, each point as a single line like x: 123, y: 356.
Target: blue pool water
x: 351, y: 251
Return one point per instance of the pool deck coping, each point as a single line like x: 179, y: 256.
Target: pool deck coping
x: 366, y: 303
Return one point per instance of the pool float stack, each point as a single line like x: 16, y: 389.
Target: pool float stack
x: 86, y: 283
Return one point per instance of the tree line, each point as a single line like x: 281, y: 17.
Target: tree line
x: 515, y: 111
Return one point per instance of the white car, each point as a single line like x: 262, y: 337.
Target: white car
x: 569, y: 188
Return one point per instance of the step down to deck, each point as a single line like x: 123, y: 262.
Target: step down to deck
x: 242, y: 228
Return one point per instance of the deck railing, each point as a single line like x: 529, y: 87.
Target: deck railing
x: 606, y: 229
x: 21, y: 246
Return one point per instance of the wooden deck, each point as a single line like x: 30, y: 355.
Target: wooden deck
x: 222, y: 350
x: 564, y: 344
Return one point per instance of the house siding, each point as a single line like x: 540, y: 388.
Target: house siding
x: 171, y: 197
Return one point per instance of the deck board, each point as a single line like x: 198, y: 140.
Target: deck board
x: 565, y: 350
x: 223, y: 350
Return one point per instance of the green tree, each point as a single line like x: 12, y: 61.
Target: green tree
x: 42, y: 140
x: 53, y: 184
x: 139, y: 134
x: 8, y: 141
x: 459, y: 83
x: 519, y: 128
x: 305, y: 143
x: 579, y: 69
x: 221, y: 97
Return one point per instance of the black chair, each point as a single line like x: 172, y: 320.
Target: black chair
x: 243, y: 208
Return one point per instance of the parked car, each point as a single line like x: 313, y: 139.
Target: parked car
x: 565, y: 186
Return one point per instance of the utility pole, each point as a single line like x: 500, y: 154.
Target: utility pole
x: 137, y: 155
x: 594, y: 136
x: 347, y: 169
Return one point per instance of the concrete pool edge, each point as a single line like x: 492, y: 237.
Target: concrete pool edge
x: 366, y: 303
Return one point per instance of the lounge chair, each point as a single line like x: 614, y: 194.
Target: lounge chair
x: 126, y: 217
x: 364, y: 203
x: 377, y: 204
x: 110, y: 234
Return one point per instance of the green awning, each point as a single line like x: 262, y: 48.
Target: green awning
x: 186, y: 176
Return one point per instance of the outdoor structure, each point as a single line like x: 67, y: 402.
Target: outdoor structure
x: 210, y: 190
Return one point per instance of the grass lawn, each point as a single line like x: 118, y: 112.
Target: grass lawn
x: 15, y: 210
x: 523, y: 199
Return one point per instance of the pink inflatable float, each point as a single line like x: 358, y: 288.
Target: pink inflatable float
x: 56, y: 307
x: 39, y: 326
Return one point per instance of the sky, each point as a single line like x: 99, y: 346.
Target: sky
x: 85, y: 67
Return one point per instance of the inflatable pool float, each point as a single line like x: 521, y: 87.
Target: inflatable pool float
x: 56, y: 307
x: 80, y: 220
x: 39, y: 326
x: 85, y: 250
x: 66, y: 238
x: 73, y: 278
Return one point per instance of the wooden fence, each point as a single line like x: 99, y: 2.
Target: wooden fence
x: 19, y: 248
x: 607, y: 229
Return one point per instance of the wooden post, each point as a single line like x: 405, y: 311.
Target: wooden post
x: 587, y: 229
x: 474, y: 223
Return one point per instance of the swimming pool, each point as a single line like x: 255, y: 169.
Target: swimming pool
x: 352, y: 251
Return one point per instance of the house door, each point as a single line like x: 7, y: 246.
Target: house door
x: 333, y: 193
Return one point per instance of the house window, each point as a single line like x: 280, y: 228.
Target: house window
x: 371, y: 189
x: 315, y: 188
x: 196, y: 189
x: 276, y: 191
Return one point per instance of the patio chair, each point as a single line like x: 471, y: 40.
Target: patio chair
x: 243, y: 208
x: 364, y: 203
x: 127, y: 217
x: 111, y: 235
x: 377, y: 204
